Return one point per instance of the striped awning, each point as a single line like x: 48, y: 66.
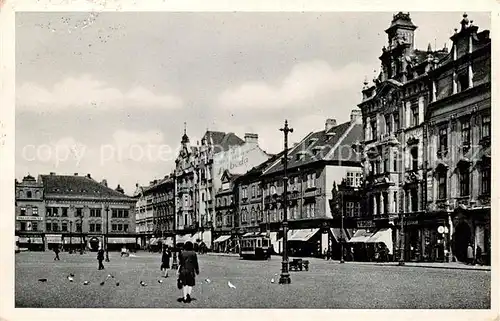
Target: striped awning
x: 73, y: 240
x: 303, y: 235
x: 53, y: 238
x: 121, y: 240
x: 182, y: 238
x: 361, y: 236
x: 222, y: 238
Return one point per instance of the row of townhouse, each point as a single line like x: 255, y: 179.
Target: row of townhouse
x: 426, y: 146
x: 73, y: 212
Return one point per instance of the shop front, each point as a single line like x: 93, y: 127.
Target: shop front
x: 426, y: 239
x: 53, y: 240
x: 117, y: 243
x: 472, y: 228
x: 72, y: 243
x: 222, y: 244
x: 31, y: 242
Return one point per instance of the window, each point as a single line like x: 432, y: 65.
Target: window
x: 259, y: 191
x: 78, y: 227
x: 465, y: 128
x: 23, y: 226
x: 414, y: 116
x: 388, y: 124
x: 394, y: 201
x: 374, y: 129
x: 414, y: 200
x: 113, y: 226
x: 442, y: 185
x: 64, y: 226
x: 23, y: 211
x: 462, y: 82
x: 91, y: 227
x: 372, y: 168
x: 55, y: 227
x: 273, y: 190
x: 349, y: 211
x: 311, y: 180
x: 486, y: 126
x: 414, y: 158
x: 125, y: 227
x: 48, y: 226
x: 64, y: 212
x: 245, y: 192
x: 396, y: 121
x: 359, y: 176
x: 485, y: 180
x: 203, y: 197
x: 79, y: 212
x: 120, y: 227
x: 350, y: 179
x: 253, y: 192
x: 443, y: 140
x: 28, y: 194
x: 34, y: 226
x: 464, y: 178
x: 55, y: 211
x: 386, y: 164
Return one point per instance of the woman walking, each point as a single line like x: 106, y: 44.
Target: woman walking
x: 188, y: 266
x: 165, y: 261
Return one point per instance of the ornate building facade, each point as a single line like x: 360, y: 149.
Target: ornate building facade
x: 79, y: 212
x: 399, y: 109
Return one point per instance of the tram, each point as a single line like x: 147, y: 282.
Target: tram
x: 255, y: 246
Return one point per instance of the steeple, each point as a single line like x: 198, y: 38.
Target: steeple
x: 185, y: 138
x: 401, y: 30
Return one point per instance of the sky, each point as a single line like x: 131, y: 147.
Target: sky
x: 108, y: 93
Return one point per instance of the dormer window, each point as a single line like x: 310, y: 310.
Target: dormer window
x: 312, y: 141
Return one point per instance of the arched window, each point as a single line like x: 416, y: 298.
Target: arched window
x: 28, y: 194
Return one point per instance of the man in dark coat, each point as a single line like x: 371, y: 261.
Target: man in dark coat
x: 100, y: 258
x: 188, y: 269
x: 56, y: 252
x: 165, y: 260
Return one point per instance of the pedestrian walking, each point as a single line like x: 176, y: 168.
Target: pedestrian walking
x: 100, y: 258
x: 165, y: 261
x: 479, y: 254
x: 470, y: 254
x: 56, y: 252
x: 188, y: 269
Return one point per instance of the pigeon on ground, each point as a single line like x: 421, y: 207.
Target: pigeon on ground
x: 272, y: 280
x: 231, y: 285
x: 142, y: 283
x: 70, y: 279
x: 71, y: 274
x: 207, y: 280
x: 117, y: 283
x: 160, y: 281
x: 42, y: 280
x: 102, y: 283
x: 86, y: 283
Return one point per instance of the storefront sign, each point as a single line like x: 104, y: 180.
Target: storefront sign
x: 364, y: 224
x: 29, y: 218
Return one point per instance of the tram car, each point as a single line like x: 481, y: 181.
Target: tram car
x: 255, y: 246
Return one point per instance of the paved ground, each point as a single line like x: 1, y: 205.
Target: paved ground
x: 327, y: 284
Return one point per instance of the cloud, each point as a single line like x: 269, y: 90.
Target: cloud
x: 87, y: 92
x: 306, y: 82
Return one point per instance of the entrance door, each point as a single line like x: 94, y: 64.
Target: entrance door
x: 461, y: 239
x: 94, y: 244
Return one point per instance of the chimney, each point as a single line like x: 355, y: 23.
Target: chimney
x: 330, y: 123
x: 52, y: 173
x: 104, y: 182
x: 119, y: 189
x: 76, y: 174
x: 356, y: 116
x: 88, y: 176
x: 251, y: 138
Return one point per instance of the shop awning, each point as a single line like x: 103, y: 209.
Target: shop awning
x: 121, y: 240
x: 169, y: 241
x: 36, y: 240
x: 382, y: 236
x: 153, y: 241
x: 73, y: 240
x: 53, y: 239
x: 196, y: 236
x: 23, y: 239
x: 339, y: 235
x: 182, y: 238
x: 361, y: 236
x: 222, y: 238
x: 303, y: 235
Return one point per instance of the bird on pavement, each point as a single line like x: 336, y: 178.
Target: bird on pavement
x: 207, y: 280
x: 160, y: 281
x: 102, y: 283
x: 70, y: 279
x: 231, y: 285
x: 86, y: 283
x: 142, y: 283
x: 42, y: 280
x: 272, y: 280
x: 117, y: 283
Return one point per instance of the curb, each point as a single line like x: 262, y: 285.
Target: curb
x: 430, y: 266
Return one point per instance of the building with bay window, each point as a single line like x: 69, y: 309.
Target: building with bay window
x: 30, y: 214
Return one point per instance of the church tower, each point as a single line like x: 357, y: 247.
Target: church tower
x: 401, y: 37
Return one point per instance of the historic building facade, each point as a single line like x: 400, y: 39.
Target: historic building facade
x: 30, y: 214
x: 398, y: 110
x: 80, y: 212
x: 155, y: 209
x: 314, y: 164
x: 459, y: 142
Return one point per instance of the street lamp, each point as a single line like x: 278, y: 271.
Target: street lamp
x: 107, y: 231
x: 341, y: 228
x: 81, y: 232
x: 285, y: 276
x: 174, y: 253
x: 70, y: 237
x: 402, y: 243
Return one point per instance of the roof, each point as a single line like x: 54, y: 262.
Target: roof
x: 259, y: 169
x: 332, y: 145
x: 222, y: 141
x: 78, y: 186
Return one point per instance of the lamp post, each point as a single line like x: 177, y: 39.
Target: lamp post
x: 285, y: 276
x: 174, y: 252
x: 81, y: 232
x: 402, y: 242
x: 107, y: 231
x: 341, y: 228
x: 70, y: 237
